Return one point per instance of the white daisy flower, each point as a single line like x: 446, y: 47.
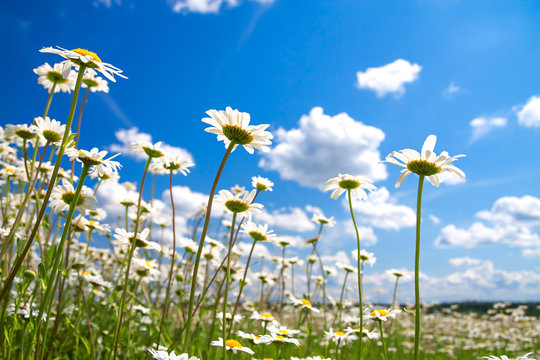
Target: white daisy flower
x: 60, y: 74
x: 127, y: 238
x: 233, y: 125
x: 63, y: 195
x: 258, y: 232
x: 323, y: 220
x: 382, y: 314
x: 262, y: 184
x: 232, y: 345
x: 505, y: 357
x: 238, y: 203
x: 303, y: 303
x: 365, y: 332
x: 340, y: 338
x: 276, y: 338
x: 365, y: 257
x: 49, y: 130
x: 95, y: 83
x: 345, y: 182
x: 163, y: 354
x: 96, y: 159
x: 265, y: 317
x: 83, y: 57
x: 427, y: 163
x: 346, y: 267
x: 281, y: 330
x: 168, y: 163
x: 152, y: 150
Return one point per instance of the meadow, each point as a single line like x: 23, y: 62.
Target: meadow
x: 211, y: 296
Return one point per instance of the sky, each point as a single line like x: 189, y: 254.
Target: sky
x: 342, y: 84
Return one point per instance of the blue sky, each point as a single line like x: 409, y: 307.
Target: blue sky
x: 468, y: 73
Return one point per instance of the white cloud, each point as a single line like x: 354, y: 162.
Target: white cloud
x: 187, y: 202
x: 483, y: 125
x: 292, y: 218
x: 452, y: 89
x: 127, y: 136
x: 434, y: 219
x: 390, y: 78
x: 529, y: 115
x: 207, y: 6
x: 464, y: 261
x: 382, y: 211
x: 478, y: 234
x: 531, y: 253
x: 324, y: 146
x: 524, y: 211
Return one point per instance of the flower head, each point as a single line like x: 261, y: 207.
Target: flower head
x: 60, y: 74
x: 323, y: 220
x: 426, y: 164
x: 238, y: 203
x: 345, y: 182
x: 83, y: 57
x: 303, y: 303
x: 168, y: 163
x: 233, y: 126
x: 504, y: 357
x: 258, y: 232
x: 49, y: 130
x: 382, y: 315
x: 232, y: 345
x: 96, y: 159
x: 95, y: 83
x: 63, y: 196
x: 261, y: 184
x: 152, y: 150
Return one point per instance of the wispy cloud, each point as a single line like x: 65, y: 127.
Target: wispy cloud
x: 206, y: 6
x: 481, y: 126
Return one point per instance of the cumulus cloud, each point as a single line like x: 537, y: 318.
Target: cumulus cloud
x: 323, y: 146
x: 483, y: 125
x: 464, y: 261
x: 529, y: 115
x: 520, y: 211
x: 390, y: 78
x: 128, y: 136
x: 292, y: 218
x: 510, y: 221
x: 207, y: 6
x: 382, y: 211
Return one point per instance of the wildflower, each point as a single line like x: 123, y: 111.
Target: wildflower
x: 60, y: 74
x: 83, y: 57
x: 232, y: 345
x: 95, y: 158
x: 95, y: 83
x: 238, y: 203
x: 276, y: 338
x: 323, y: 220
x: 264, y: 317
x: 261, y: 184
x: 233, y: 126
x: 125, y: 238
x: 383, y: 314
x: 425, y: 164
x: 504, y: 357
x: 303, y: 303
x: 346, y: 267
x: 152, y: 150
x: 365, y: 332
x: 171, y: 163
x: 340, y: 338
x: 365, y: 257
x: 162, y: 354
x: 258, y: 232
x: 345, y: 182
x: 282, y: 330
x: 20, y: 130
x: 63, y: 195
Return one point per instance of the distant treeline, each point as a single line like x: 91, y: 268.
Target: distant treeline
x: 481, y: 307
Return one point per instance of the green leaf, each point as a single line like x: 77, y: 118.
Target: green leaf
x: 42, y: 275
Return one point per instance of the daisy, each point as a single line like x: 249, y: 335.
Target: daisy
x: 323, y: 220
x: 340, y: 338
x: 282, y: 330
x: 365, y: 332
x: 152, y: 150
x: 63, y: 195
x: 95, y: 158
x: 238, y: 203
x: 275, y: 338
x: 95, y: 83
x: 233, y: 126
x: 20, y: 130
x: 345, y: 182
x: 383, y: 314
x: 49, y: 130
x: 264, y: 317
x: 126, y: 238
x: 346, y: 267
x: 303, y: 303
x: 426, y: 164
x: 504, y: 357
x: 162, y: 354
x: 365, y: 257
x: 83, y: 57
x: 232, y: 345
x: 168, y: 163
x: 258, y: 232
x: 60, y: 74
x: 261, y: 184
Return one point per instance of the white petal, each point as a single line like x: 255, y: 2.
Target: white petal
x: 429, y: 144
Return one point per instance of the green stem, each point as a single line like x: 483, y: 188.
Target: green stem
x: 227, y: 287
x: 49, y: 99
x: 199, y: 253
x: 417, y: 269
x: 382, y: 340
x: 360, y: 353
x: 130, y: 257
x: 20, y: 258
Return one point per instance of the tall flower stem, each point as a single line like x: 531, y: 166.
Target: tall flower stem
x: 382, y: 340
x: 49, y: 100
x: 79, y: 120
x: 163, y: 314
x: 130, y: 256
x: 200, y: 249
x: 417, y: 269
x: 341, y: 297
x: 360, y: 353
x: 228, y: 282
x: 19, y: 260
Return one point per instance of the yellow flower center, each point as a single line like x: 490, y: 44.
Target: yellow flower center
x: 148, y: 265
x: 280, y: 337
x: 10, y: 170
x: 283, y: 331
x: 305, y: 302
x: 86, y: 273
x: 85, y: 52
x: 233, y: 344
x: 423, y: 167
x: 340, y: 333
x: 266, y: 316
x: 381, y: 312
